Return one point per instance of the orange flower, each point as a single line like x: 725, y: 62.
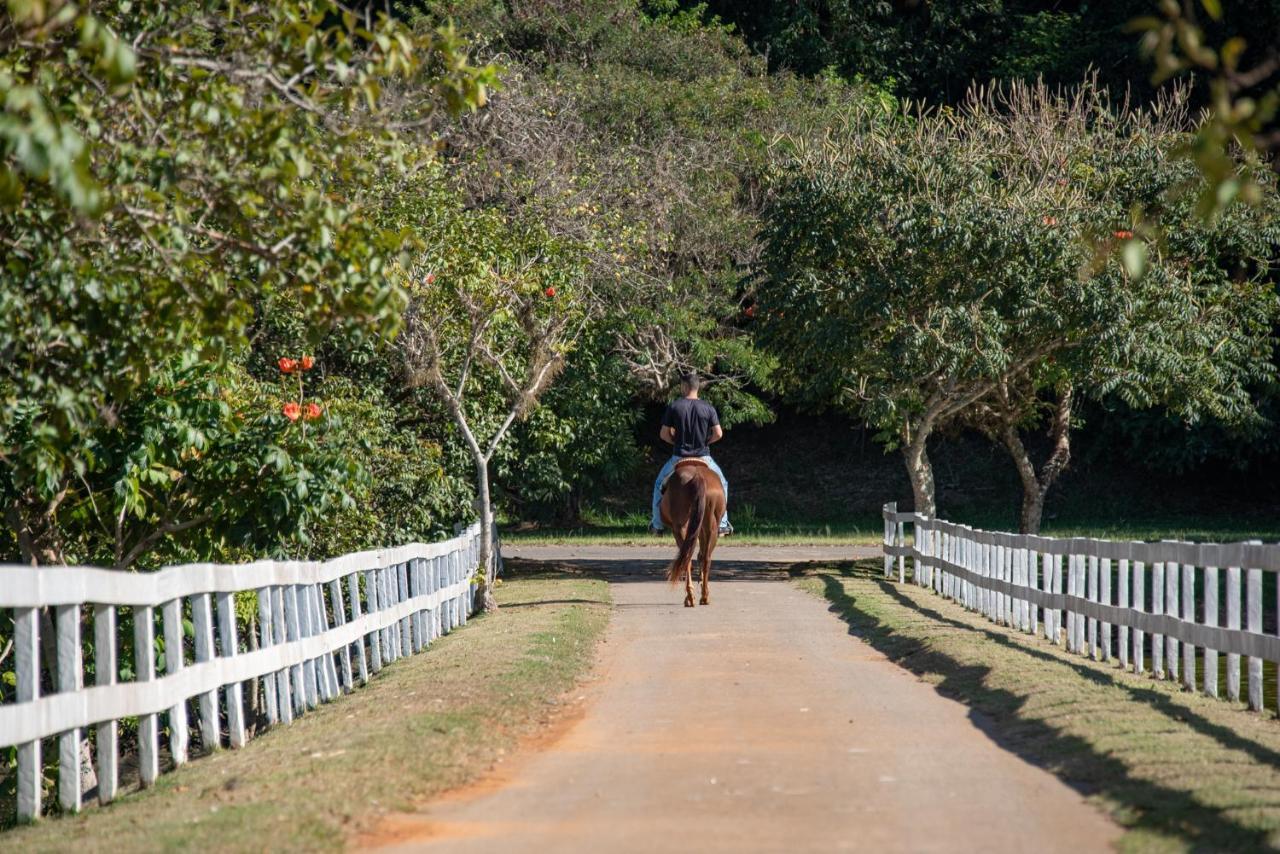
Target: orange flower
x: 749, y: 311
x: 291, y: 411
x: 287, y: 365
x: 1049, y: 220
x: 313, y: 411
x: 431, y: 277
x: 1123, y: 234
x: 308, y: 363
x: 550, y: 292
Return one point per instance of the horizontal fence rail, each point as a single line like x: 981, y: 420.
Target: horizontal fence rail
x: 1187, y: 612
x: 167, y: 650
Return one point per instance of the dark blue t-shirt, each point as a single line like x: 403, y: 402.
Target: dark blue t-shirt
x: 692, y: 419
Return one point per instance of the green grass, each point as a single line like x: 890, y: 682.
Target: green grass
x: 1180, y: 771
x: 427, y: 723
x: 605, y: 526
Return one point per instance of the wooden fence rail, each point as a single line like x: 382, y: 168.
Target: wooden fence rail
x: 319, y: 629
x: 1167, y: 608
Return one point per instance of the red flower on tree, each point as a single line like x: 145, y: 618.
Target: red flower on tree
x: 431, y: 277
x: 287, y: 365
x: 291, y: 411
x: 550, y: 292
x: 749, y: 311
x: 1123, y: 234
x: 1049, y: 220
x: 307, y: 363
x: 313, y: 411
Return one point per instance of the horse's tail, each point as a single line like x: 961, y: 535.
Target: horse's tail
x: 685, y: 556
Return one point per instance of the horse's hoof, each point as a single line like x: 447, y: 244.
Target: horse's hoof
x: 705, y: 602
x: 688, y: 603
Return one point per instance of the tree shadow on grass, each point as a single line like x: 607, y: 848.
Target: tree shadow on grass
x: 1145, y: 804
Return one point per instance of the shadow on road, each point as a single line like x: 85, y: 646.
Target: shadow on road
x: 1167, y: 811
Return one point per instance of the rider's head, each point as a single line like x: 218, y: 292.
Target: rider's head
x: 689, y: 382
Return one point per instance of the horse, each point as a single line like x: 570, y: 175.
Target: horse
x: 691, y: 508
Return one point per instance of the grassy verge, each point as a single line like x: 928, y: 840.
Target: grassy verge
x: 1178, y: 770
x: 425, y: 724
x: 751, y: 527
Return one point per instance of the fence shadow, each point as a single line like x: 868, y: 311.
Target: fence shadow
x: 1147, y: 805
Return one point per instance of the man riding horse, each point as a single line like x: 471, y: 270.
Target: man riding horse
x: 690, y: 425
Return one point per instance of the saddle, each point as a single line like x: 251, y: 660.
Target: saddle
x: 685, y: 463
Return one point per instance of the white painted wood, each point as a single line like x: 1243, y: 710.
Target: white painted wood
x: 105, y: 668
x: 310, y: 690
x: 340, y: 618
x: 372, y: 588
x: 326, y: 625
x: 1122, y: 577
x: 26, y: 662
x: 1139, y: 605
x: 1046, y: 582
x: 144, y: 668
x: 266, y: 638
x: 402, y: 585
x: 353, y: 592
x: 1104, y: 593
x: 1093, y: 596
x: 202, y: 620
x: 280, y: 631
x: 1233, y: 622
x: 1157, y: 607
x: 232, y: 693
x: 171, y: 619
x: 1033, y: 569
x: 1072, y: 590
x: 70, y: 678
x: 1189, y: 616
x: 1171, y: 585
x: 1211, y: 583
x: 1057, y: 588
x: 1253, y: 612
x: 902, y: 559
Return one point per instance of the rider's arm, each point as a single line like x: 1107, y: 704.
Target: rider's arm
x: 668, y: 435
x: 717, y: 433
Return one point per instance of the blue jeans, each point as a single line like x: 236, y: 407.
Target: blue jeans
x: 667, y: 469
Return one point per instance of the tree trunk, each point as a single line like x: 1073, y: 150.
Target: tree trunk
x: 488, y: 564
x: 920, y: 472
x: 1035, y: 485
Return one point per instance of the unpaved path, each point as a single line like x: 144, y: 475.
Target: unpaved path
x: 756, y: 724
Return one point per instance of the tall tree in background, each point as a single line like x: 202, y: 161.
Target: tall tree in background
x: 937, y: 268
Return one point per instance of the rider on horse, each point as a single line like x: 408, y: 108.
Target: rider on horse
x: 690, y: 425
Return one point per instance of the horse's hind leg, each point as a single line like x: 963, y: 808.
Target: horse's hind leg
x: 708, y: 545
x: 688, y: 585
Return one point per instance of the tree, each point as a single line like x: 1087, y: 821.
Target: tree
x: 169, y: 172
x: 959, y: 267
x: 494, y: 302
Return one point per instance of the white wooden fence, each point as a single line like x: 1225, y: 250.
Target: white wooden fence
x: 321, y: 628
x: 1178, y: 601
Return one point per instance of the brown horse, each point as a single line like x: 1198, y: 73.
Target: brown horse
x: 692, y: 508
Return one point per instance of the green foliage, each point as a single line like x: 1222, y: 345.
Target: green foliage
x: 918, y: 264
x: 168, y: 173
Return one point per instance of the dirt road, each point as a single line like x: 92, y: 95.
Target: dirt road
x: 755, y: 724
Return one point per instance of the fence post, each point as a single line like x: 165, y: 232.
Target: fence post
x: 232, y: 693
x: 285, y: 698
x: 1253, y: 609
x: 26, y: 649
x: 1157, y: 607
x: 1189, y: 616
x: 1093, y: 597
x: 70, y: 679
x: 202, y: 621
x: 1171, y: 585
x: 104, y: 673
x: 1139, y: 604
x: 885, y: 511
x: 171, y: 617
x: 1123, y: 579
x: 1211, y: 619
x: 144, y: 669
x: 371, y: 585
x: 1233, y: 622
x: 1104, y: 591
x: 266, y: 638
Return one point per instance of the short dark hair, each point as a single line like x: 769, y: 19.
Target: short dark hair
x: 690, y: 379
